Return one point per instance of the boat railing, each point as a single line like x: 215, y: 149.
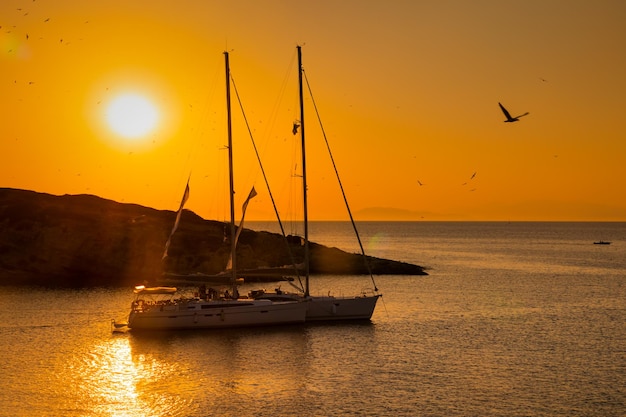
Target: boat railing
x: 141, y: 304
x: 369, y: 292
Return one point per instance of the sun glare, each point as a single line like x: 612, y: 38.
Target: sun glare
x: 132, y: 116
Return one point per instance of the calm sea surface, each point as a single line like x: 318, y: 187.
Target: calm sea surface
x: 515, y: 319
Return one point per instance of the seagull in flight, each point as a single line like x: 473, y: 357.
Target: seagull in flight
x: 508, y: 115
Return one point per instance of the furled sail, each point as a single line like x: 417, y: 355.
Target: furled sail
x: 252, y: 194
x: 180, y: 210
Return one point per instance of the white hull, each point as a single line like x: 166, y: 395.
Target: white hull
x: 341, y: 308
x: 328, y: 308
x: 200, y: 314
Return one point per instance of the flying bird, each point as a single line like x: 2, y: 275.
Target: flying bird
x: 508, y: 115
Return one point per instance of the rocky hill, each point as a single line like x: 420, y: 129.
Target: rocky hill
x: 84, y: 240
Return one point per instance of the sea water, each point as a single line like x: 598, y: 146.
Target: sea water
x: 515, y: 319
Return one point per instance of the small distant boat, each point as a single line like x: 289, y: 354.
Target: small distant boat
x: 601, y: 242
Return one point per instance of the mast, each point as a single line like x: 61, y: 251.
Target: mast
x: 304, y: 187
x: 233, y: 246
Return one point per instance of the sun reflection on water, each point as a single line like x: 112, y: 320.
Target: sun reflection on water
x: 116, y: 382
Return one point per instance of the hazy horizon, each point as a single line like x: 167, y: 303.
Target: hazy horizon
x: 390, y: 214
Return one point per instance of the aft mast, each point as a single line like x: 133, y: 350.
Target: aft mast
x: 233, y: 243
x: 304, y: 187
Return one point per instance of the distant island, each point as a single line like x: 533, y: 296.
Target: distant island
x: 85, y: 241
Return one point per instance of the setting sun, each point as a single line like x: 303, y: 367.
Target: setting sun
x: 132, y: 116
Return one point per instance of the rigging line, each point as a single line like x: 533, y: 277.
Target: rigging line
x: 280, y: 98
x: 270, y: 126
x: 200, y: 114
x: 294, y: 206
x: 384, y: 305
x: 197, y: 135
x: 295, y: 190
x: 280, y: 223
x: 345, y: 199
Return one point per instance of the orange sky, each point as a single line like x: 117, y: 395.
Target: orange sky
x: 408, y: 91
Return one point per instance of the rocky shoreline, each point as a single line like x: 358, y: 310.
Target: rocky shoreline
x: 85, y: 240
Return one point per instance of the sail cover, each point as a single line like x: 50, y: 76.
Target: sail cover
x: 252, y: 194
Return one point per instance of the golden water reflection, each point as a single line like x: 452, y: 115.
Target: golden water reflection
x: 191, y: 373
x: 117, y: 382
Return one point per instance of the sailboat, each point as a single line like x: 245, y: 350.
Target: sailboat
x: 161, y: 308
x: 328, y: 307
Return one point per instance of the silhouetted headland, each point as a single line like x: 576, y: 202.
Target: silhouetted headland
x: 85, y: 240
